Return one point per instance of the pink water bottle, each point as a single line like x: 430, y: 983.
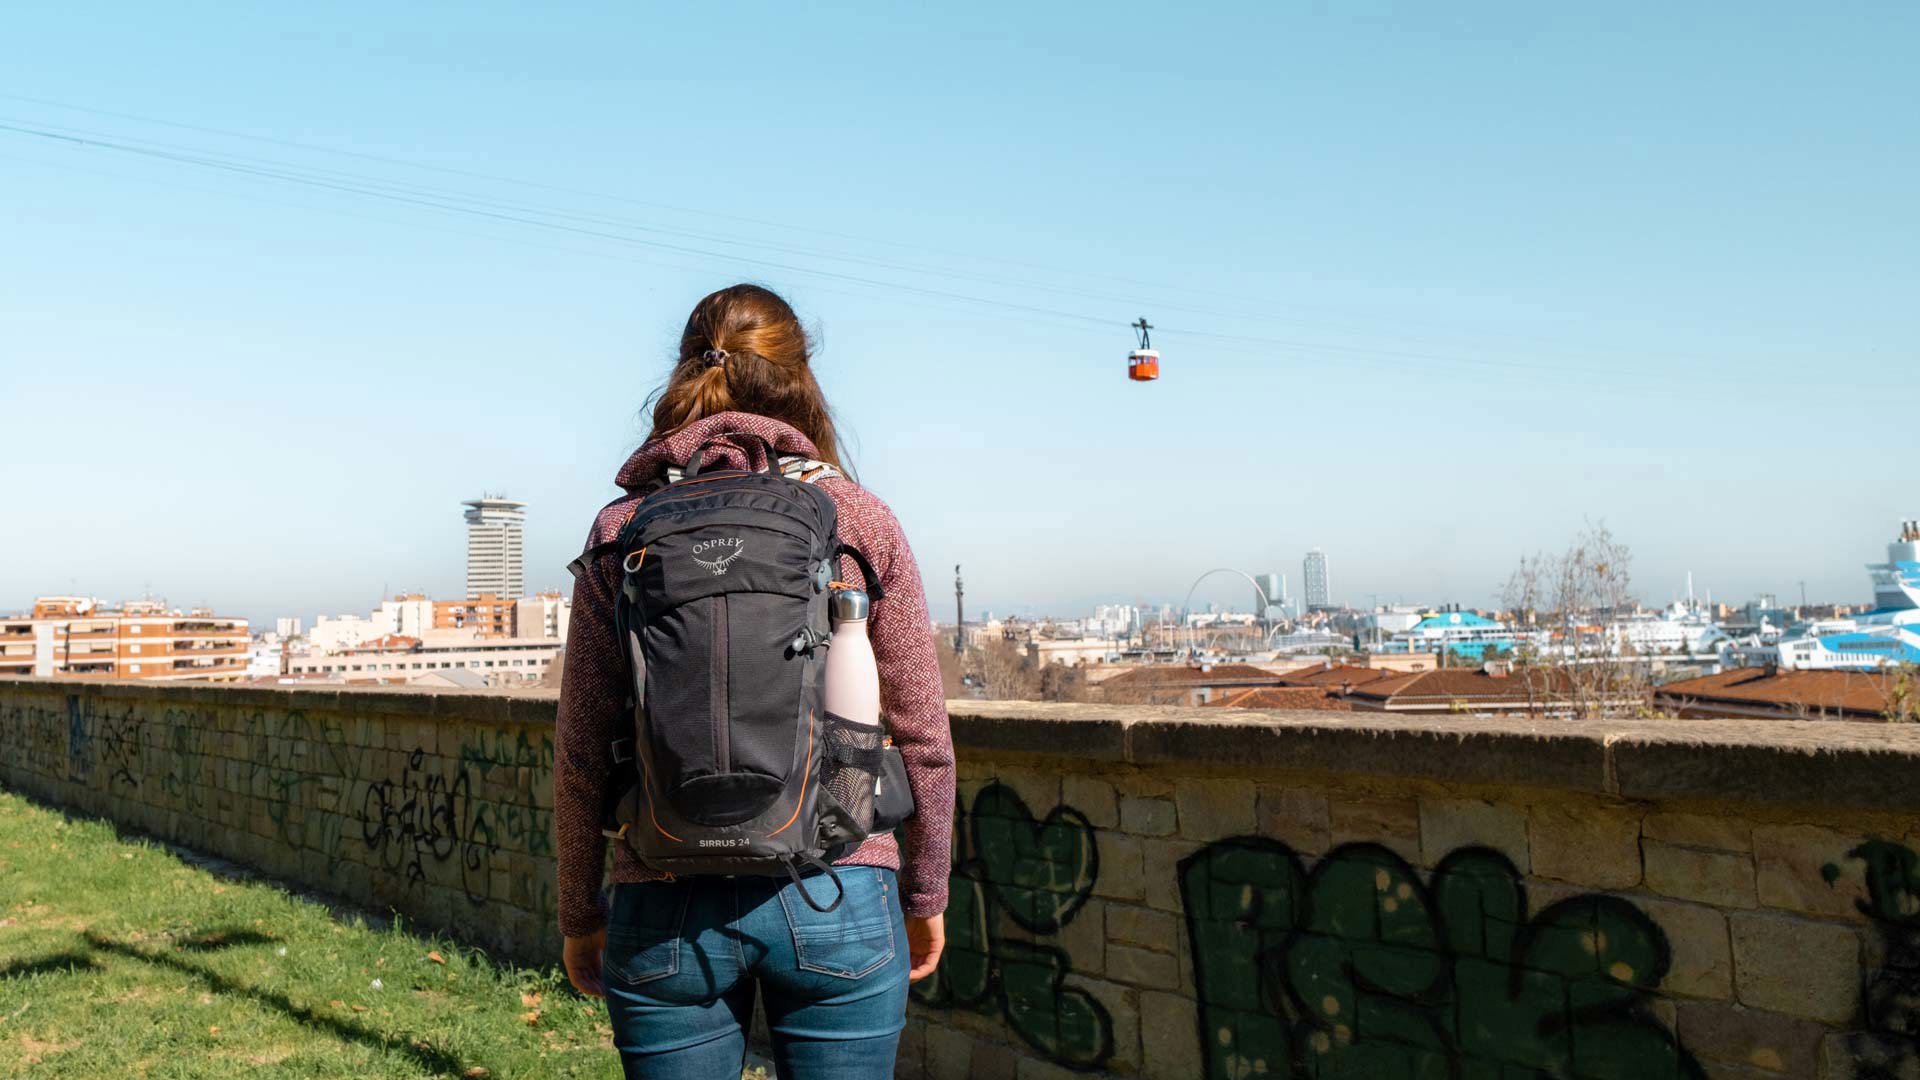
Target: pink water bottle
x: 853, y: 680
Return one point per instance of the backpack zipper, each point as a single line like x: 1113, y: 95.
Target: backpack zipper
x: 721, y: 714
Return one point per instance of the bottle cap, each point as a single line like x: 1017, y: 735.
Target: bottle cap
x: 847, y: 605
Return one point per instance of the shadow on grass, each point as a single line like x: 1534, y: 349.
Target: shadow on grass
x: 224, y: 938
x: 65, y: 963
x: 426, y: 1056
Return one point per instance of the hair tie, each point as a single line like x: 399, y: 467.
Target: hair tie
x: 715, y: 357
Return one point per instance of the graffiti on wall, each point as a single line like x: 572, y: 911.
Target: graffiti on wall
x: 79, y: 742
x: 426, y: 817
x: 1890, y: 1046
x: 1037, y: 874
x: 37, y: 737
x: 298, y: 764
x: 119, y: 733
x: 437, y: 821
x: 1360, y: 969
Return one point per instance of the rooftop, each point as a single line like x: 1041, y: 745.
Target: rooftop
x: 1846, y: 693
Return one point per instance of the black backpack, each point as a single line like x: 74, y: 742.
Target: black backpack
x: 733, y: 765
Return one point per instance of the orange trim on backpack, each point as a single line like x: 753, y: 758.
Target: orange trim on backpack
x: 646, y: 787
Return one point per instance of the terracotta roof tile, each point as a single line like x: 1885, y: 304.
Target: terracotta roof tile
x: 1788, y: 691
x: 1157, y: 675
x: 1462, y: 683
x: 1282, y: 697
x: 1336, y: 676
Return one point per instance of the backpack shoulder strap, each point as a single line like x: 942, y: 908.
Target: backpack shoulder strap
x: 807, y: 470
x: 792, y: 466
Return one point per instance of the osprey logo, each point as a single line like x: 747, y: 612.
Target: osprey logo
x: 725, y: 549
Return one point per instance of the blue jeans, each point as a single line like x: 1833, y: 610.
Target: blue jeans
x: 683, y: 958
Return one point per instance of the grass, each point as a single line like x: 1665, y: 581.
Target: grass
x: 119, y: 959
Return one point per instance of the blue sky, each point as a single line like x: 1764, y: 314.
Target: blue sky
x: 1437, y: 284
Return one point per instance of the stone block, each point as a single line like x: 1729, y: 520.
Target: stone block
x: 1294, y: 817
x: 1447, y: 825
x: 910, y: 1062
x: 949, y: 1052
x: 1698, y: 830
x: 1084, y: 938
x: 1595, y: 846
x: 1792, y: 865
x: 1162, y: 859
x: 1724, y: 1033
x: 1039, y: 789
x: 1169, y: 1043
x: 1863, y: 1055
x: 1123, y: 1012
x: 1093, y: 797
x: 1142, y: 783
x: 1148, y: 817
x: 1122, y: 867
x: 1139, y: 967
x: 1391, y: 823
x: 1721, y: 878
x: 1796, y: 966
x: 1214, y: 808
x: 995, y: 1061
x: 1700, y: 952
x: 1143, y: 927
x: 1033, y: 1068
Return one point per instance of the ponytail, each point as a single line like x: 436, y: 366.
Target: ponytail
x: 744, y: 350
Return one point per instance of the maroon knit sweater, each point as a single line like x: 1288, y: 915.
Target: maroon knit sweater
x: 594, y: 685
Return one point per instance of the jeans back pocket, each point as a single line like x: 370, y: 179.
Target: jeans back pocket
x: 853, y: 939
x: 644, y: 931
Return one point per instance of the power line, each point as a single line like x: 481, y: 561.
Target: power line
x: 1251, y: 305
x: 522, y: 215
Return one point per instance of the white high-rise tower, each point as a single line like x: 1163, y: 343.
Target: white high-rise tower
x: 1314, y: 580
x: 493, y: 548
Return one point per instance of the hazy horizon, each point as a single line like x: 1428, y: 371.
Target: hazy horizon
x: 1434, y: 288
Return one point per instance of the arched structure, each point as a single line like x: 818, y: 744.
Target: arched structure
x: 1186, y: 605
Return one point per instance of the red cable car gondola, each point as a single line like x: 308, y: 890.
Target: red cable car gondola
x: 1143, y: 363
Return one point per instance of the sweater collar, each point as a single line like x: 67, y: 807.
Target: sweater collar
x: 645, y: 465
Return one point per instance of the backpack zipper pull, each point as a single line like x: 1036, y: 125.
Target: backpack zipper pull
x: 808, y: 640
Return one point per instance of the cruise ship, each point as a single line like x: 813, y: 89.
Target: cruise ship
x: 1887, y: 635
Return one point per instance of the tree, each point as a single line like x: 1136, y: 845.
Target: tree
x: 1058, y: 682
x: 1007, y: 672
x: 1583, y: 668
x: 953, y: 669
x: 1903, y: 694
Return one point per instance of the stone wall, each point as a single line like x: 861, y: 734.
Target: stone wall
x: 438, y: 806
x: 1176, y: 893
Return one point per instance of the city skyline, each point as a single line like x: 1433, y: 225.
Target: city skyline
x: 1430, y: 332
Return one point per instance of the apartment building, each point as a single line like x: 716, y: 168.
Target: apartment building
x: 488, y: 615
x: 76, y: 637
x: 396, y: 659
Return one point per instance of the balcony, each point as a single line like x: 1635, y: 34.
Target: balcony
x: 209, y: 647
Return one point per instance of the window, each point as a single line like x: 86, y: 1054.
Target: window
x: 136, y: 669
x: 136, y: 628
x: 136, y: 646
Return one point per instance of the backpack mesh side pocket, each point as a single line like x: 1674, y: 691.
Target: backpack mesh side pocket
x: 853, y: 758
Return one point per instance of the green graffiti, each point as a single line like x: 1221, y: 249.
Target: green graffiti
x: 1039, y: 874
x: 1889, y: 1049
x: 1358, y: 970
x: 1893, y: 882
x: 488, y: 749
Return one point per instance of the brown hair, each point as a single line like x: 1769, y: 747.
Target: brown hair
x: 745, y: 350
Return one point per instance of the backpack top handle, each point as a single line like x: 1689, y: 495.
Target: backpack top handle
x: 699, y: 454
